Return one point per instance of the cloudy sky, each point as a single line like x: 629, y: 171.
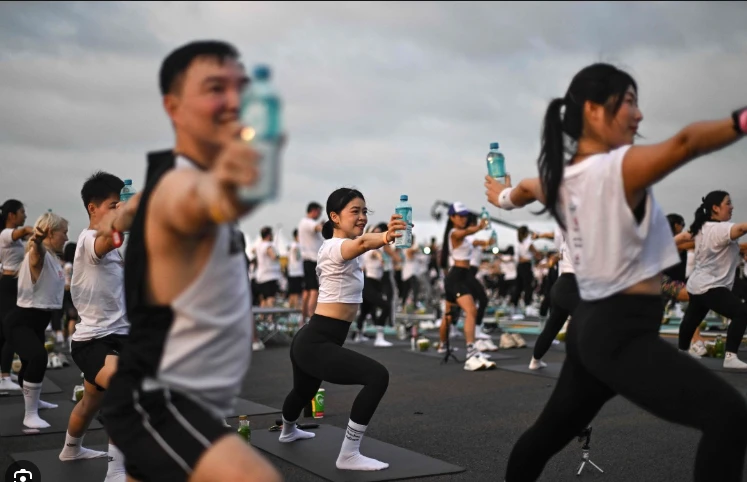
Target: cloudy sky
x: 390, y: 98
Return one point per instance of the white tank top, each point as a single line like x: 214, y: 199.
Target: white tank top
x: 295, y: 262
x: 11, y: 252
x: 476, y: 257
x: 610, y: 251
x: 268, y: 269
x: 564, y: 261
x: 716, y: 258
x: 463, y: 252
x: 340, y: 281
x: 47, y: 292
x: 373, y: 264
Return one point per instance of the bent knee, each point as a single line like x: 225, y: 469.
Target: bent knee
x: 378, y: 376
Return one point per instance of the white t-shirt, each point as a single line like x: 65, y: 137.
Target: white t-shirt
x: 309, y: 239
x: 610, y: 249
x: 295, y: 262
x: 523, y: 249
x: 373, y: 264
x: 11, y: 252
x: 340, y: 281
x: 716, y: 258
x: 47, y: 292
x: 268, y: 269
x: 564, y: 256
x: 97, y: 290
x: 508, y: 267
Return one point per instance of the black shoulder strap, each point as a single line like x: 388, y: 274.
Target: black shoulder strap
x: 136, y: 262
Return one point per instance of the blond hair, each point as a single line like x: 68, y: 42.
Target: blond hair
x: 48, y: 221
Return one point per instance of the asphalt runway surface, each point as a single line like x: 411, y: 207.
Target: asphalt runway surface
x: 470, y: 419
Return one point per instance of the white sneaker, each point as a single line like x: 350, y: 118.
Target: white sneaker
x: 442, y: 349
x: 519, y: 340
x: 258, y: 346
x: 382, y: 343
x: 531, y: 311
x: 732, y: 361
x: 477, y: 363
x: 517, y: 317
x: 507, y: 341
x: 699, y: 348
x: 536, y: 364
x: 7, y: 384
x: 481, y: 335
x: 691, y: 353
x: 486, y: 345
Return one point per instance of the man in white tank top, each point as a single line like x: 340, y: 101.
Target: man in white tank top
x: 186, y: 285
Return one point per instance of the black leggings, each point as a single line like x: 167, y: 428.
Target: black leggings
x: 8, y: 297
x: 25, y: 328
x: 411, y: 284
x: 478, y: 293
x: 547, y: 284
x: 613, y: 347
x: 373, y: 298
x: 723, y: 302
x: 563, y: 298
x: 524, y: 279
x: 317, y: 355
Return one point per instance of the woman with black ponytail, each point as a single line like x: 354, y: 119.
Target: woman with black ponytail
x: 12, y: 217
x: 316, y: 352
x: 597, y: 186
x: 458, y: 285
x: 710, y: 284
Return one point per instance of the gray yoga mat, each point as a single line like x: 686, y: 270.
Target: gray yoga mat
x: 318, y: 456
x: 552, y: 370
x: 48, y: 387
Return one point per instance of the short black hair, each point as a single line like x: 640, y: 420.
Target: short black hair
x: 266, y: 231
x: 295, y: 233
x: 99, y: 187
x: 312, y: 206
x: 177, y: 62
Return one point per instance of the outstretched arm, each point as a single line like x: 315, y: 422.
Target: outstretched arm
x: 507, y: 197
x: 352, y: 248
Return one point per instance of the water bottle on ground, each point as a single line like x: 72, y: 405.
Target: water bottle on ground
x: 496, y: 163
x: 261, y: 114
x: 245, y: 429
x: 405, y: 210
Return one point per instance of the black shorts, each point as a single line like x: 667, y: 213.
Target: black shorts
x: 268, y: 289
x: 456, y: 283
x: 161, y: 433
x: 310, y: 281
x: 90, y: 355
x: 295, y: 285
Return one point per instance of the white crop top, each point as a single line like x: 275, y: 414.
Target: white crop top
x: 609, y: 249
x: 340, y: 281
x: 373, y: 264
x: 564, y: 256
x: 463, y: 252
x: 47, y: 292
x: 716, y: 258
x: 11, y: 252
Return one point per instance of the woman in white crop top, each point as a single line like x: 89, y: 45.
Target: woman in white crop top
x: 316, y: 352
x: 717, y: 257
x: 458, y: 284
x: 41, y: 285
x: 619, y: 242
x: 12, y: 218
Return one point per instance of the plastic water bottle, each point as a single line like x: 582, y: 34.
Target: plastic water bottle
x: 405, y: 210
x: 486, y: 216
x: 496, y: 163
x: 261, y: 114
x: 127, y: 191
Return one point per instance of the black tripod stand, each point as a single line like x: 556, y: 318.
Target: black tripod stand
x: 585, y: 437
x: 449, y: 316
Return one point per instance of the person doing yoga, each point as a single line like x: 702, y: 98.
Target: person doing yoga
x: 316, y: 351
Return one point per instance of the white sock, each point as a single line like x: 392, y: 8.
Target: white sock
x: 116, y: 471
x: 350, y: 457
x: 31, y: 394
x: 46, y: 405
x: 291, y: 432
x: 74, y: 450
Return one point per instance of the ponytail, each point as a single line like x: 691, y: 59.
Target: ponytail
x: 328, y: 229
x: 703, y: 213
x: 445, y: 245
x: 551, y: 160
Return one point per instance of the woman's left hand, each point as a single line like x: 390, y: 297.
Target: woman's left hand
x: 494, y: 188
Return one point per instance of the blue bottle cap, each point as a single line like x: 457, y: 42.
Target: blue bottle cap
x: 403, y: 197
x: 128, y: 182
x: 494, y: 145
x: 261, y: 72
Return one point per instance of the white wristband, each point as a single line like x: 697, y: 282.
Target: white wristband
x: 504, y: 199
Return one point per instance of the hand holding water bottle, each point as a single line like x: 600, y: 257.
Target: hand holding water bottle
x: 495, y: 187
x: 396, y: 228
